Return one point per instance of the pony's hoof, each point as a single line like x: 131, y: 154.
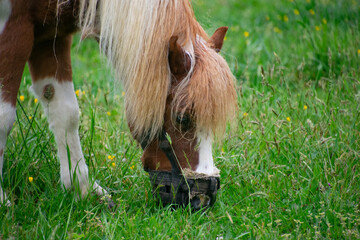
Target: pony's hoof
x: 106, y: 199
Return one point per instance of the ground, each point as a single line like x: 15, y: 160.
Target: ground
x: 289, y: 165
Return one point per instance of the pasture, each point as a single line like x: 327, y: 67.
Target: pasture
x: 289, y: 165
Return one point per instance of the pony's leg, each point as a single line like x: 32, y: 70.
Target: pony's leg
x: 16, y: 40
x: 50, y: 67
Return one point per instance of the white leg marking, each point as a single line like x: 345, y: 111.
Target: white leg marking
x: 62, y: 111
x: 206, y: 161
x: 7, y: 117
x: 5, y: 11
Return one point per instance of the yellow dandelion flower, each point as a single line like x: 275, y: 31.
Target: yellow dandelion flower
x: 324, y: 21
x: 358, y: 51
x: 132, y: 167
x: 245, y: 114
x: 246, y: 34
x: 108, y: 113
x: 113, y: 164
x: 286, y: 18
x: 312, y: 12
x: 267, y: 18
x: 277, y: 30
x: 35, y: 100
x: 296, y: 12
x: 109, y: 157
x: 305, y: 107
x: 77, y: 92
x: 317, y: 28
x: 31, y: 179
x: 288, y: 119
x: 22, y: 98
x: 30, y: 117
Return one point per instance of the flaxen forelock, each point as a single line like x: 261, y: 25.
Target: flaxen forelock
x: 210, y: 93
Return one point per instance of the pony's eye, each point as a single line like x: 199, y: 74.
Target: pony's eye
x: 184, y: 121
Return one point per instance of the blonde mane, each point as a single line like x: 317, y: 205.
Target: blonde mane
x: 135, y: 37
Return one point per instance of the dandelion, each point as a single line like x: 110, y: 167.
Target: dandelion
x: 324, y: 21
x: 288, y: 119
x: 35, y: 100
x: 113, y: 164
x: 108, y: 113
x: 358, y: 51
x: 286, y: 18
x: 312, y: 12
x: 317, y: 28
x: 77, y: 92
x: 132, y: 167
x: 31, y: 179
x: 305, y: 107
x: 246, y: 34
x: 30, y: 117
x: 245, y: 114
x: 277, y: 30
x: 22, y: 98
x: 296, y: 12
x: 111, y: 157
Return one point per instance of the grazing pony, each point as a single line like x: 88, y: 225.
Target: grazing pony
x: 175, y: 80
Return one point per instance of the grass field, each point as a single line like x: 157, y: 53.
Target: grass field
x: 290, y: 168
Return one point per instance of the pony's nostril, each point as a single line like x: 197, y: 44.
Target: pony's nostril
x: 196, y: 203
x: 200, y: 201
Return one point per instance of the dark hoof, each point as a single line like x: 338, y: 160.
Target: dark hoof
x: 106, y: 200
x: 111, y: 204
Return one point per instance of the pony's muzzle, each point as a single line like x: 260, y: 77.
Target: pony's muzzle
x: 170, y: 188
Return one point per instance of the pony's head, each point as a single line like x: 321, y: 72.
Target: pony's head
x: 200, y: 100
x: 180, y: 92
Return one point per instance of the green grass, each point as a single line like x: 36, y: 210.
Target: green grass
x: 286, y: 172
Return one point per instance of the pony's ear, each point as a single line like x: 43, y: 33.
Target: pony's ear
x: 179, y: 60
x: 217, y: 39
